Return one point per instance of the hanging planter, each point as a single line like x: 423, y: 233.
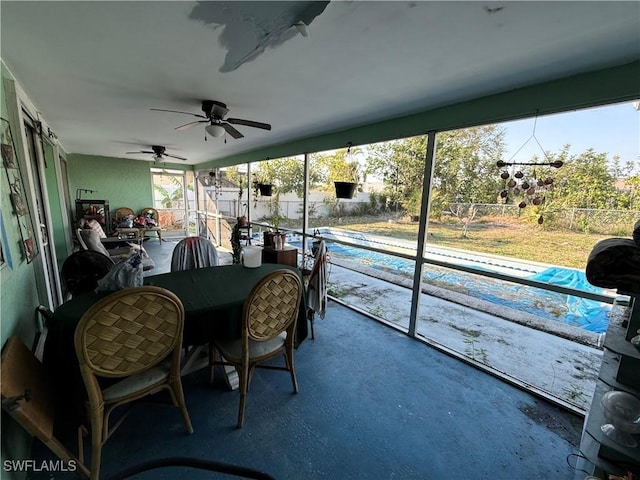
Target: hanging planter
x: 345, y: 189
x: 350, y: 174
x: 265, y: 189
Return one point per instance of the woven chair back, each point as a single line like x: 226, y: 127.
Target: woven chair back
x: 130, y: 331
x: 272, y: 306
x: 123, y: 212
x: 154, y: 213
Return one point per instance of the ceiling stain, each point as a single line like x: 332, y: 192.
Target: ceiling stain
x: 252, y: 27
x: 491, y: 11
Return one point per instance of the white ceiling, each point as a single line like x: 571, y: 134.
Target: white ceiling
x: 95, y: 69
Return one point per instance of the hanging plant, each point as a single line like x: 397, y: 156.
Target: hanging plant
x: 263, y: 187
x: 347, y: 186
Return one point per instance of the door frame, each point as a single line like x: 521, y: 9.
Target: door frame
x: 21, y: 112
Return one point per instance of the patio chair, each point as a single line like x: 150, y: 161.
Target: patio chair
x: 124, y: 218
x: 193, y: 252
x: 134, y: 336
x: 151, y: 213
x: 81, y: 271
x: 190, y: 253
x: 268, y: 329
x: 89, y: 240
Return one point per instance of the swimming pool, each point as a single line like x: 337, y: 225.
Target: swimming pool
x: 583, y: 313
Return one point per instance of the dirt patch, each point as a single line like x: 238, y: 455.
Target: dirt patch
x: 566, y: 426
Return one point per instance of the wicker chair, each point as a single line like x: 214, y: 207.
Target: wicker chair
x: 268, y: 329
x: 133, y: 335
x: 153, y: 213
x: 120, y: 215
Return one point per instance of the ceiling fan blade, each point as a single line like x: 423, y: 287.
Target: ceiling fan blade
x: 176, y: 111
x: 174, y: 156
x: 190, y: 124
x: 231, y: 131
x: 142, y: 151
x: 249, y: 123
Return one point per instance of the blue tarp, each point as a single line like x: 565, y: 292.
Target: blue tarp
x: 580, y: 312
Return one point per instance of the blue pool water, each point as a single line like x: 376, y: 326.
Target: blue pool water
x: 576, y: 311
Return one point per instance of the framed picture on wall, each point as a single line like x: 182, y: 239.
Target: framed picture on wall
x: 6, y: 146
x: 19, y: 202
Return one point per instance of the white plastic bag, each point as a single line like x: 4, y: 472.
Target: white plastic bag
x: 127, y: 273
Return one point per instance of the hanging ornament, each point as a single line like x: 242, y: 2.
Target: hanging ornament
x: 531, y: 185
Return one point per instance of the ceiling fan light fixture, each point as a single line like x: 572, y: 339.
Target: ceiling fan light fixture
x: 215, y: 130
x: 158, y: 158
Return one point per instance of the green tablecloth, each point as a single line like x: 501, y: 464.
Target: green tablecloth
x: 212, y: 297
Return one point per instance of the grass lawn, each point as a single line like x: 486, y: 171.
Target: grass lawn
x: 508, y: 237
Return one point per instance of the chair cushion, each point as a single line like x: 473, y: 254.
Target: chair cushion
x: 232, y: 349
x: 96, y: 227
x: 92, y: 240
x: 138, y: 382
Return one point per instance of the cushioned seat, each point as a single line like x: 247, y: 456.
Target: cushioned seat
x: 89, y: 240
x: 152, y: 214
x: 134, y: 336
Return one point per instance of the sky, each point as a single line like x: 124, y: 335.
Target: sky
x: 612, y: 129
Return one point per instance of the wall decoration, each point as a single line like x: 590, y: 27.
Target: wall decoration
x: 17, y: 191
x: 6, y: 147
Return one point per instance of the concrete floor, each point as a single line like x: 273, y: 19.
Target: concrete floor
x: 563, y: 365
x: 373, y: 404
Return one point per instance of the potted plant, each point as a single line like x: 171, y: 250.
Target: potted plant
x: 236, y: 235
x: 268, y: 237
x: 351, y: 178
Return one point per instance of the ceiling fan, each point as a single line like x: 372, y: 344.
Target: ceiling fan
x: 159, y: 153
x: 214, y: 113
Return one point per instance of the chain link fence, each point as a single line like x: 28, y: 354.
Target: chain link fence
x: 587, y: 220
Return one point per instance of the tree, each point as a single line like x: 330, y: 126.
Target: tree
x: 464, y: 170
x: 287, y: 174
x: 584, y: 181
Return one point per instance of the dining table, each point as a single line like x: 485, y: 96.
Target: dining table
x: 213, y: 300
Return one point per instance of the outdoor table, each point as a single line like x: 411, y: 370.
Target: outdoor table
x: 212, y: 297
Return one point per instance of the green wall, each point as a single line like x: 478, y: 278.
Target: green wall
x: 18, y: 292
x: 123, y: 182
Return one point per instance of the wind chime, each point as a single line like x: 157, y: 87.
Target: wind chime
x: 530, y: 188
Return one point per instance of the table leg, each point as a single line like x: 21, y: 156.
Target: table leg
x: 197, y: 357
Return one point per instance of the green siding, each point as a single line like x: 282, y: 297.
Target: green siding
x: 18, y: 298
x: 123, y: 182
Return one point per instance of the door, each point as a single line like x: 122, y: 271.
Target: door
x: 173, y: 197
x: 37, y: 178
